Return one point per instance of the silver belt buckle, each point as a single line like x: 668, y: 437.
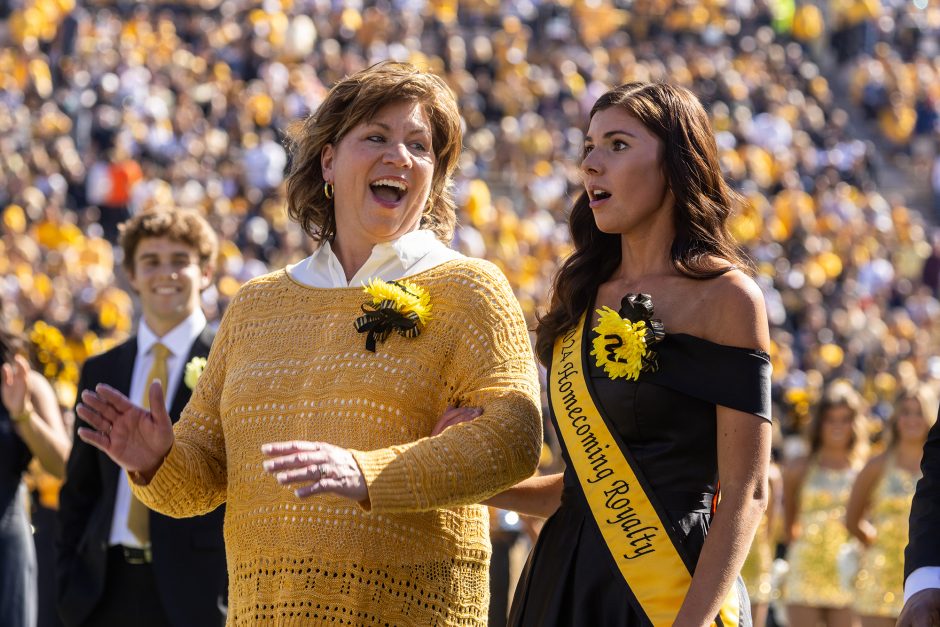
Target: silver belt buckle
x: 133, y: 555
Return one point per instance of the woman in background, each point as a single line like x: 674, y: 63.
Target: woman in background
x: 880, y: 505
x: 31, y: 425
x: 816, y: 491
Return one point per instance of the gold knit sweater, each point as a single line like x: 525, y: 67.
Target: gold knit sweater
x: 287, y: 364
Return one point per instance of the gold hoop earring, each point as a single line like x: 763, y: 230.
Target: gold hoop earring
x: 328, y: 190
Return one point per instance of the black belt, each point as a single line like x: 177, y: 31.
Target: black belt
x: 700, y: 502
x: 686, y: 502
x: 132, y: 554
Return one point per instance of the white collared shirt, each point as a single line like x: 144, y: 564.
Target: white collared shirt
x: 921, y: 579
x: 411, y: 253
x: 179, y: 340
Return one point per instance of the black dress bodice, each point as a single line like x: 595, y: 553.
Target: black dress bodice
x: 666, y: 416
x: 667, y: 419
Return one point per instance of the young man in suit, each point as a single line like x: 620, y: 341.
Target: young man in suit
x: 922, y: 556
x: 119, y: 562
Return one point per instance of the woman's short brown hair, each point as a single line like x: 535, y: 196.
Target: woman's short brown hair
x: 178, y: 225
x: 356, y: 99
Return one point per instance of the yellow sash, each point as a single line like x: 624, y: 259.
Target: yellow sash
x: 637, y: 537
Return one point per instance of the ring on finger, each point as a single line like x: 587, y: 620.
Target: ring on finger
x: 110, y: 426
x: 319, y: 472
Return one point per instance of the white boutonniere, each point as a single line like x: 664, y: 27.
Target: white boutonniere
x: 193, y: 371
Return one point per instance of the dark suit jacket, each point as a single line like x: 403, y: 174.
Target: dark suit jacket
x: 188, y: 554
x: 923, y: 548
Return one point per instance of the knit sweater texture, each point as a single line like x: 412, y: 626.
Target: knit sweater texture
x: 288, y: 364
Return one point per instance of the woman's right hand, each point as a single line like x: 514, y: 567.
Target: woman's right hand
x: 136, y: 439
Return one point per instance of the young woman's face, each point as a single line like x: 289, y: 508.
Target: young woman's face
x: 382, y: 171
x: 837, y: 427
x: 622, y: 170
x: 912, y: 424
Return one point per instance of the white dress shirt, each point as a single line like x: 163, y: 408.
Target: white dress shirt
x: 179, y: 341
x: 411, y: 253
x: 921, y: 579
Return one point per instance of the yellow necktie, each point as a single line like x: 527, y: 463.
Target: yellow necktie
x: 138, y: 516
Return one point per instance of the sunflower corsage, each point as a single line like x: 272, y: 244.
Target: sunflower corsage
x: 399, y: 306
x: 622, y: 346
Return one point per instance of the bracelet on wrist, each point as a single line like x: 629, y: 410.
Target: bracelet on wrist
x: 23, y: 416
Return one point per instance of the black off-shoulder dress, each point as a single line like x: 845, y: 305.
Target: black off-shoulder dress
x: 667, y: 419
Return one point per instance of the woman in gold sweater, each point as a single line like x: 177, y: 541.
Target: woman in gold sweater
x: 314, y: 420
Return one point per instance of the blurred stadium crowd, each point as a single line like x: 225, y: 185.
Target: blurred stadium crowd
x: 107, y: 107
x: 111, y: 106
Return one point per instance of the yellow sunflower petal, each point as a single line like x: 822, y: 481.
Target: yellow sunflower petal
x: 412, y: 298
x: 620, y: 345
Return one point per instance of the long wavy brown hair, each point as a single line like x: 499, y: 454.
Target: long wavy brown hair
x: 703, y: 203
x: 358, y: 98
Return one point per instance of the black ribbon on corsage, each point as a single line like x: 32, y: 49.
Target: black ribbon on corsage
x: 636, y: 307
x: 380, y: 320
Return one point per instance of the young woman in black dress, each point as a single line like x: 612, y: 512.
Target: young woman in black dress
x: 659, y: 379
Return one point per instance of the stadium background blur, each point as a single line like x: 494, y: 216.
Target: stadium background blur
x: 826, y: 115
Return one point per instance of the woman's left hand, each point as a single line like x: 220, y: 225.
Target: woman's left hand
x: 314, y: 468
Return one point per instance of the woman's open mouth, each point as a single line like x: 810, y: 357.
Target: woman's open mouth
x: 598, y: 196
x: 388, y: 191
